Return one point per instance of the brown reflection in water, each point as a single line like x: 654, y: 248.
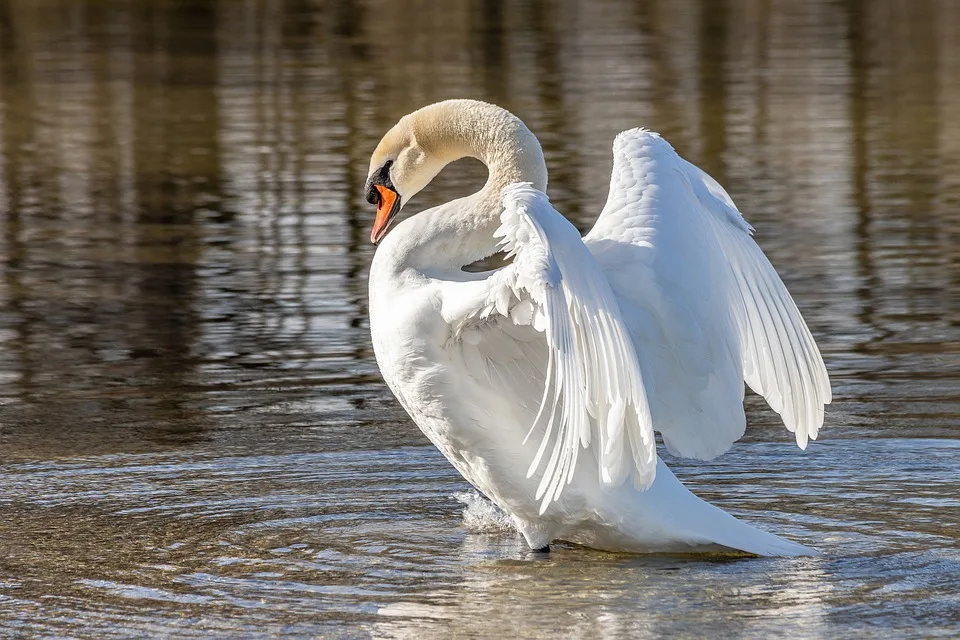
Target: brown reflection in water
x: 184, y: 235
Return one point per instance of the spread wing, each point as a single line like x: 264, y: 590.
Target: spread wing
x: 705, y: 308
x: 592, y: 391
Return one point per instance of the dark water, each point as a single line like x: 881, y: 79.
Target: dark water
x: 194, y: 438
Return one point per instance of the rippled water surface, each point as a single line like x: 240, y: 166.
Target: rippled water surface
x: 194, y: 438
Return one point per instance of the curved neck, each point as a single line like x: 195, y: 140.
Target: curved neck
x: 456, y: 129
x: 460, y: 232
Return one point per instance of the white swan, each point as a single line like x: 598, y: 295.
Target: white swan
x: 543, y: 382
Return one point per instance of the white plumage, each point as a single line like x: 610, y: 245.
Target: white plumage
x: 709, y: 311
x: 592, y: 387
x: 543, y: 382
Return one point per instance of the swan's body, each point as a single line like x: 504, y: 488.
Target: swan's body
x: 543, y: 382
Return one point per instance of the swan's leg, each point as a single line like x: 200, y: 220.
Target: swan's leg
x: 545, y: 549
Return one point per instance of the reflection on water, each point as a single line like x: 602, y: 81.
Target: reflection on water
x: 194, y: 435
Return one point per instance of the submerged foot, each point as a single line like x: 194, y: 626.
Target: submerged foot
x: 544, y: 549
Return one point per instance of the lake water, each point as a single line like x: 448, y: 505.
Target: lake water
x: 194, y: 438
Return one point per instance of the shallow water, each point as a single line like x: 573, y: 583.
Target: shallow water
x: 194, y: 439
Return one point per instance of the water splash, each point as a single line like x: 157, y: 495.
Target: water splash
x: 482, y: 516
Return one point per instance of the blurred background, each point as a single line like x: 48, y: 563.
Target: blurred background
x: 187, y: 386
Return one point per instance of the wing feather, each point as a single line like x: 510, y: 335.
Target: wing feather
x: 653, y: 321
x: 592, y: 389
x: 705, y: 307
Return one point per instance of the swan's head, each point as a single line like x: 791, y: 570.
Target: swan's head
x: 400, y: 167
x: 415, y: 150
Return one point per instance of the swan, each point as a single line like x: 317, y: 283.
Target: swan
x: 543, y: 381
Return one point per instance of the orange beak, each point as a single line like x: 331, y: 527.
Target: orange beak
x: 386, y: 210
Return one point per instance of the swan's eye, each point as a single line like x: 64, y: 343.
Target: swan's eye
x: 380, y: 177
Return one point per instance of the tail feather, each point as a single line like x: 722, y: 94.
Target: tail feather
x: 701, y: 523
x: 730, y: 532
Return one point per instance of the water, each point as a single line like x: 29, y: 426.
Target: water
x: 195, y: 439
